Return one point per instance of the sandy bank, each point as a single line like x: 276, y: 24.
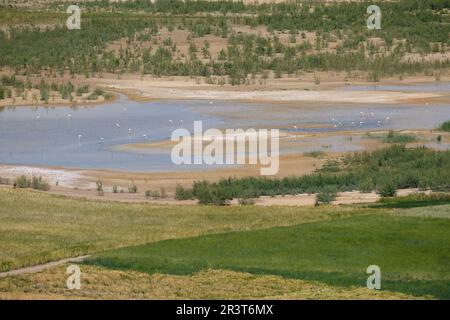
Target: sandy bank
x: 275, y: 91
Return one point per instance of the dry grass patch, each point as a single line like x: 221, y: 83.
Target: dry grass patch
x: 98, y: 283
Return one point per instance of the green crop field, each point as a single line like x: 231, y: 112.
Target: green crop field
x: 413, y: 253
x: 160, y: 251
x: 36, y: 227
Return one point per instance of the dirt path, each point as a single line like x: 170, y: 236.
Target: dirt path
x: 40, y: 267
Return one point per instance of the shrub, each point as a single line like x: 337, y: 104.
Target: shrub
x: 387, y: 189
x: 327, y: 195
x: 115, y: 189
x: 133, y: 188
x: 246, y: 201
x: 445, y: 126
x: 219, y: 195
x: 39, y: 184
x: 22, y: 182
x: 314, y: 154
x: 35, y: 183
x: 366, y: 186
x: 99, y: 188
x: 82, y: 89
x: 393, y: 137
x: 152, y: 194
x: 183, y: 193
x: 202, y: 192
x: 366, y: 171
x: 108, y: 96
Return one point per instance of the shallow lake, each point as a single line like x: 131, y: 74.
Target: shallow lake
x: 87, y: 137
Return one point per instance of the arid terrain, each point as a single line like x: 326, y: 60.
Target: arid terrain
x: 358, y: 115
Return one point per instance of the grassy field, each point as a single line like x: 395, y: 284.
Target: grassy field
x: 36, y: 227
x: 413, y: 253
x: 208, y: 252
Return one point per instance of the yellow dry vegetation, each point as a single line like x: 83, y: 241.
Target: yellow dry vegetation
x: 99, y: 283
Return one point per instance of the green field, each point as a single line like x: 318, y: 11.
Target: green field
x: 321, y: 251
x: 413, y: 253
x: 36, y: 227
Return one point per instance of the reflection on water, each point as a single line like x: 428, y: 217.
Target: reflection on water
x: 87, y: 137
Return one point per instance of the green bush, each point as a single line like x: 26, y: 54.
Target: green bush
x: 394, y: 137
x: 314, y: 154
x: 327, y: 195
x: 387, y: 189
x: 445, y: 126
x: 366, y: 186
x: 22, y: 182
x: 218, y: 196
x: 35, y: 183
x: 82, y: 89
x: 152, y: 194
x: 183, y: 193
x: 366, y: 171
x: 202, y: 192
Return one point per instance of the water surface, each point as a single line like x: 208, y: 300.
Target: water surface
x: 87, y: 137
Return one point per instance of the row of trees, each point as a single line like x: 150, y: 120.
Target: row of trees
x: 11, y: 87
x: 384, y: 171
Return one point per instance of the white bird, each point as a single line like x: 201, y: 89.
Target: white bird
x: 372, y: 114
x: 181, y: 121
x: 211, y: 102
x: 80, y: 136
x: 69, y: 116
x: 129, y: 130
x: 117, y: 125
x: 144, y: 136
x: 101, y: 138
x: 171, y: 122
x: 38, y: 117
x: 387, y: 118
